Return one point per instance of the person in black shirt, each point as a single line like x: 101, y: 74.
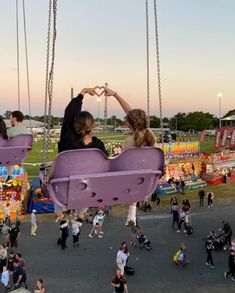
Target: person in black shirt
x: 119, y: 283
x: 14, y: 234
x: 19, y: 275
x: 77, y: 126
x: 64, y: 232
x: 201, y: 195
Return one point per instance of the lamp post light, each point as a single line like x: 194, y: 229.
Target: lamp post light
x: 220, y: 95
x: 98, y: 99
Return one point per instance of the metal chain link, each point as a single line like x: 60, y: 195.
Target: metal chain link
x: 147, y: 56
x: 158, y: 68
x: 49, y: 81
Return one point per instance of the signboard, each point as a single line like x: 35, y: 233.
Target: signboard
x: 202, y: 135
x: 224, y: 136
x: 218, y: 137
x: 232, y: 140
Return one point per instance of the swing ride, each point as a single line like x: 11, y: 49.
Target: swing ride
x: 82, y: 178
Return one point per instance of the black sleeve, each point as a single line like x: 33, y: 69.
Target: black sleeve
x: 67, y: 130
x: 102, y: 147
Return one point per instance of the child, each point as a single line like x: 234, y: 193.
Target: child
x: 75, y: 232
x: 143, y: 241
x: 97, y: 225
x: 141, y: 135
x: 180, y: 256
x: 5, y: 278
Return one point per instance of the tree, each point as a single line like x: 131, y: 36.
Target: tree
x: 7, y: 114
x: 154, y: 122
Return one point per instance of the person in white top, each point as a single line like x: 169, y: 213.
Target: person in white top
x: 33, y: 223
x: 97, y: 225
x: 122, y: 256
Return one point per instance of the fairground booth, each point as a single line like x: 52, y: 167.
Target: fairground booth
x: 13, y: 191
x: 183, y: 161
x: 220, y: 167
x: 38, y: 200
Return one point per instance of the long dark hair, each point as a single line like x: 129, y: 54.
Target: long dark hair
x: 3, y: 129
x: 83, y: 123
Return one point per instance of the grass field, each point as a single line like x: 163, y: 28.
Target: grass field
x: 35, y: 155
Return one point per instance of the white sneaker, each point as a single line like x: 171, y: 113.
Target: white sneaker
x: 100, y: 236
x: 206, y: 263
x: 101, y: 232
x: 90, y: 236
x: 233, y: 279
x: 178, y: 231
x: 225, y: 275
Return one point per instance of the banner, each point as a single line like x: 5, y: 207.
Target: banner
x: 224, y: 136
x: 232, y: 140
x: 202, y: 135
x: 218, y: 137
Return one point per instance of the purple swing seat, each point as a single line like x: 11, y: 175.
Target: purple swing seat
x: 86, y: 177
x: 15, y: 150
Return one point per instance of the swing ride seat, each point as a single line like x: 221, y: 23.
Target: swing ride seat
x: 15, y: 150
x: 86, y: 177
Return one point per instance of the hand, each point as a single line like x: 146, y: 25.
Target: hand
x: 91, y: 91
x: 108, y: 92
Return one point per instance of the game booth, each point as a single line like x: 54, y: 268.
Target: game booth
x: 183, y: 161
x: 13, y: 191
x: 38, y: 200
x: 219, y: 167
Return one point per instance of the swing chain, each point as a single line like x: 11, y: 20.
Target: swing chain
x: 49, y: 81
x: 158, y: 68
x: 147, y: 57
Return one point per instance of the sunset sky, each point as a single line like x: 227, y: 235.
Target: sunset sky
x: 102, y: 41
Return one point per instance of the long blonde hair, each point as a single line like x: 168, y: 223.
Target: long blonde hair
x: 143, y: 136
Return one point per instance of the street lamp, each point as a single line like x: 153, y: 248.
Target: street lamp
x: 220, y: 95
x: 98, y: 99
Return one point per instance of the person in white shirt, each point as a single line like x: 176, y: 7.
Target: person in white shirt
x: 16, y: 120
x: 5, y: 278
x: 33, y: 223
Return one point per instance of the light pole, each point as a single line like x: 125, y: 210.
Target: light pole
x: 220, y: 95
x: 98, y: 99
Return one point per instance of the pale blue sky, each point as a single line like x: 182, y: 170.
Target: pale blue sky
x: 104, y: 40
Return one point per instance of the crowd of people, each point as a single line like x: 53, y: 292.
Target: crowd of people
x: 76, y: 133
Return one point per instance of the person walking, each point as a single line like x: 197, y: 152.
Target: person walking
x: 5, y: 278
x: 119, y: 283
x: 14, y: 234
x: 201, y: 195
x: 175, y: 216
x: 227, y: 234
x: 33, y: 223
x: 231, y: 266
x: 75, y: 232
x: 40, y: 288
x: 209, y: 249
x: 64, y: 231
x: 210, y: 197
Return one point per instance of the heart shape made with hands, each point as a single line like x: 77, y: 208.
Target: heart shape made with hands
x: 99, y: 91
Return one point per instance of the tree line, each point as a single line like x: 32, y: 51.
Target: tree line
x: 197, y: 120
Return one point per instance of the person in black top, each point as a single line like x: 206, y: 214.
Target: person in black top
x: 77, y: 126
x: 19, y: 275
x: 14, y: 234
x: 64, y: 232
x: 201, y: 195
x: 119, y: 283
x: 227, y: 233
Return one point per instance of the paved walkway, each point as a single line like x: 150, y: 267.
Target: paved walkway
x: 90, y: 267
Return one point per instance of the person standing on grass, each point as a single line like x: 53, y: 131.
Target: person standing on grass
x: 209, y: 249
x: 210, y: 197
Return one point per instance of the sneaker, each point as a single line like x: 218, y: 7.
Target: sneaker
x: 90, y: 236
x: 225, y: 275
x: 233, y: 279
x: 100, y: 236
x: 212, y: 267
x: 101, y: 232
x: 178, y: 231
x: 224, y: 248
x: 206, y: 263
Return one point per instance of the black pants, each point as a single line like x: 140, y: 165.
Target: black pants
x: 76, y: 238
x: 63, y: 243
x: 209, y: 259
x: 201, y: 201
x: 228, y: 239
x: 231, y: 271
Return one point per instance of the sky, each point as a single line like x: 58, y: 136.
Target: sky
x: 102, y: 41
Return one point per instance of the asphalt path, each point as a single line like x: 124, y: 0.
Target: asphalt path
x: 91, y: 267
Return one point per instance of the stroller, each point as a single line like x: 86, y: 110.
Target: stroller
x: 218, y: 240
x: 143, y: 241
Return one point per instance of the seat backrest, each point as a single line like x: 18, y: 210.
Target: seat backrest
x: 81, y: 161
x: 139, y: 158
x: 15, y: 150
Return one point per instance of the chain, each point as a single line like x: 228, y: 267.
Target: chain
x: 49, y: 81
x: 147, y: 55
x: 158, y: 68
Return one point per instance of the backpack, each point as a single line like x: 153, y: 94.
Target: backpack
x: 176, y: 256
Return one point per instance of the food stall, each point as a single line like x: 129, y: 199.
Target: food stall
x: 183, y: 162
x: 13, y: 190
x: 219, y: 167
